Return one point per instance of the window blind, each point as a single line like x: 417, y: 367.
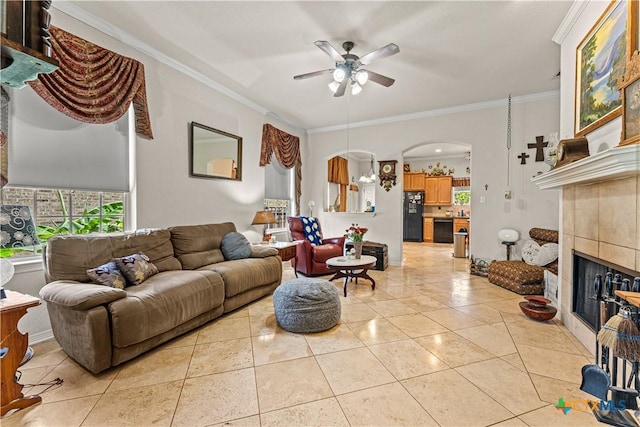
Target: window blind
x: 277, y: 181
x: 52, y: 150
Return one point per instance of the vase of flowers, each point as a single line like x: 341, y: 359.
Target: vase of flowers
x: 355, y: 233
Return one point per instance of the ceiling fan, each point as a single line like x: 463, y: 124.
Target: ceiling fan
x: 348, y: 67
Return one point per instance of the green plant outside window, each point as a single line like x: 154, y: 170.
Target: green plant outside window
x: 462, y: 197
x: 108, y: 218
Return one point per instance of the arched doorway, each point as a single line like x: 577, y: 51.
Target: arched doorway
x: 436, y: 191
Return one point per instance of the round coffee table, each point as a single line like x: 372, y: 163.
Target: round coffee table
x: 352, y: 269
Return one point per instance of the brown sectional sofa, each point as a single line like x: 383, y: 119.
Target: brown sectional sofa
x: 100, y: 326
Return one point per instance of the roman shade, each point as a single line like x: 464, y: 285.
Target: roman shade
x: 277, y: 181
x: 52, y: 150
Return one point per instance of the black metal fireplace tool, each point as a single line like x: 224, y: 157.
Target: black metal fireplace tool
x: 626, y: 395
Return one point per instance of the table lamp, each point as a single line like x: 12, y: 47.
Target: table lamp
x: 508, y: 237
x: 264, y: 218
x: 17, y: 230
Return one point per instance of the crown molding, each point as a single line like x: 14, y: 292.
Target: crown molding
x: 126, y: 38
x: 569, y: 21
x: 441, y: 111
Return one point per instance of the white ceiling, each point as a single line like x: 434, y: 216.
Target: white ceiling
x: 451, y: 52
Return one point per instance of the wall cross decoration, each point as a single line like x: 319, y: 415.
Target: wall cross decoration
x: 523, y: 158
x: 539, y: 145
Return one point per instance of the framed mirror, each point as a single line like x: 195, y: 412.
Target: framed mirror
x: 214, y: 153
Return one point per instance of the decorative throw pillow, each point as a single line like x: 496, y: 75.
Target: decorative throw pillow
x: 136, y: 268
x: 108, y: 275
x: 311, y: 230
x: 534, y: 254
x: 235, y: 246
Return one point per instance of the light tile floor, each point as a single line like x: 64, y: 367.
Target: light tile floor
x: 432, y: 345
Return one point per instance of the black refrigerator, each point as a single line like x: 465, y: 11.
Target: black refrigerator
x: 412, y: 216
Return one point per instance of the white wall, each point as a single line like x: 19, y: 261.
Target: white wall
x: 485, y: 131
x: 458, y: 164
x: 166, y: 195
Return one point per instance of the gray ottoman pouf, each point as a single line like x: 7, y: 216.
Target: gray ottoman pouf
x: 306, y: 305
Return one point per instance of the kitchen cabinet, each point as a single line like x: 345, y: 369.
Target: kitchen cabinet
x: 413, y: 181
x: 427, y: 230
x: 437, y: 190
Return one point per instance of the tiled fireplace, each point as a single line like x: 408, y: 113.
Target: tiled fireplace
x: 600, y: 215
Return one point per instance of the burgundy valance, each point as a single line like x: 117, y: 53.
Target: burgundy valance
x: 286, y: 148
x: 93, y: 84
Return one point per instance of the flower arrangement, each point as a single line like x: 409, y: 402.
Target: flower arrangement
x: 355, y: 233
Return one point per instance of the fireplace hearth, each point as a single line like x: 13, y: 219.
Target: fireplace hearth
x: 585, y: 269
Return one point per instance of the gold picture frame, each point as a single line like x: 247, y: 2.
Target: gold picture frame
x: 598, y: 58
x: 629, y: 87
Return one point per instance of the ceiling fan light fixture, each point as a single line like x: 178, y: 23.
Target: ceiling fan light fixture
x: 338, y: 75
x: 355, y: 88
x: 334, y: 86
x: 362, y: 76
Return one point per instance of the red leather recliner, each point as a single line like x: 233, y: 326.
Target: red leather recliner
x: 312, y: 259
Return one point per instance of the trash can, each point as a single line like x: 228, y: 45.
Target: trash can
x: 459, y: 245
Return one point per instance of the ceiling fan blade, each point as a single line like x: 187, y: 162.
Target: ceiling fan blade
x: 315, y: 73
x: 380, y: 79
x: 329, y: 50
x: 341, y: 88
x: 383, y: 52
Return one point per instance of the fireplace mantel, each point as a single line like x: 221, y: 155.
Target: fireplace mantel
x: 613, y: 163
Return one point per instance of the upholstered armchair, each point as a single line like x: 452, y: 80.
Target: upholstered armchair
x: 312, y: 258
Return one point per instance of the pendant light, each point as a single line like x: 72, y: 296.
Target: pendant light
x: 371, y: 175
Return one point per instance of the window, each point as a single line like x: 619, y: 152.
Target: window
x: 66, y: 212
x: 281, y: 209
x: 279, y: 185
x: 462, y: 197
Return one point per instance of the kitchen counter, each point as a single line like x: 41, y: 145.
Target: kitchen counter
x: 444, y: 216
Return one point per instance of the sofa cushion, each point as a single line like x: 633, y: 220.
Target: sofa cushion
x: 136, y: 268
x: 235, y: 246
x: 108, y: 275
x: 199, y: 245
x: 543, y: 235
x: 244, y: 274
x: 163, y: 302
x: 156, y: 244
x: 68, y: 257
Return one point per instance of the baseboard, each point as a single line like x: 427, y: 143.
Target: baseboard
x: 40, y: 336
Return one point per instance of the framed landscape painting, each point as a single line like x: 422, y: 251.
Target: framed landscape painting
x: 630, y: 88
x: 600, y: 62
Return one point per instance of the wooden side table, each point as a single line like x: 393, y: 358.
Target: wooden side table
x: 14, y: 343
x: 287, y: 251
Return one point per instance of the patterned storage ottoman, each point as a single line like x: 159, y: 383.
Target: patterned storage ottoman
x: 520, y: 277
x: 517, y: 276
x: 306, y: 305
